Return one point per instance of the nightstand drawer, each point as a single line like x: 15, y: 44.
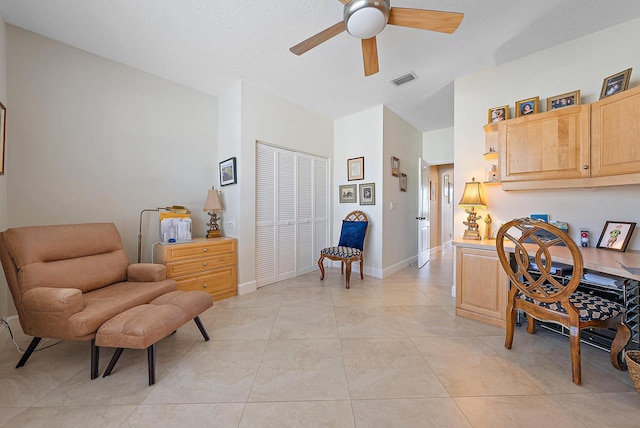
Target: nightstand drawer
x: 220, y: 283
x: 188, y: 267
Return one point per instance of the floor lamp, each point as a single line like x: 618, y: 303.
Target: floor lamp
x: 177, y: 209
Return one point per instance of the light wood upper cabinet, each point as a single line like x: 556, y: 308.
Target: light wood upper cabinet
x: 546, y: 146
x: 588, y: 145
x: 615, y: 134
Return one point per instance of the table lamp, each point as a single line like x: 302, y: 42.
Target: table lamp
x: 212, y: 205
x: 471, y: 198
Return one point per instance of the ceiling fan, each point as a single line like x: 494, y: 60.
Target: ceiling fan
x: 364, y: 19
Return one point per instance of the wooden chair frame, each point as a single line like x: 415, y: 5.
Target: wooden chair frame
x: 531, y: 285
x: 352, y: 216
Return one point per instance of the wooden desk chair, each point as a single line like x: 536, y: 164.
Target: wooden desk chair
x: 545, y: 297
x: 351, y: 245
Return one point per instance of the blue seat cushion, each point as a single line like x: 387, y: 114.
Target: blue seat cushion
x: 352, y: 234
x: 341, y: 252
x: 590, y: 307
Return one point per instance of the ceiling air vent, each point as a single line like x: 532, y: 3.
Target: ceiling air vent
x: 404, y: 79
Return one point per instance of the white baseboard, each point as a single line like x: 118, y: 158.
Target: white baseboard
x: 247, y: 287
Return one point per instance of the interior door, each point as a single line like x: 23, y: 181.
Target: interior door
x: 424, y: 233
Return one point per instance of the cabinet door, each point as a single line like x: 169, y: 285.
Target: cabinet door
x: 615, y: 144
x: 481, y: 286
x: 545, y: 146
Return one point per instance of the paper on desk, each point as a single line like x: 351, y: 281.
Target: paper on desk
x: 631, y: 270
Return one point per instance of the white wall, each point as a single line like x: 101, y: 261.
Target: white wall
x: 437, y: 146
x: 579, y: 64
x: 359, y: 135
x: 94, y: 140
x: 400, y: 227
x: 256, y: 115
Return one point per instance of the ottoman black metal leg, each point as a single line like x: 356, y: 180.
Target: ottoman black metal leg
x: 29, y: 351
x: 113, y: 362
x: 201, y: 328
x: 151, y: 357
x: 95, y: 359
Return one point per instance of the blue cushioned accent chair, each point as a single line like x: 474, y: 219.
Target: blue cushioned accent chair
x: 546, y: 297
x: 351, y: 245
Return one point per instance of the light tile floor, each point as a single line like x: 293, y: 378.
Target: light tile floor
x: 310, y: 353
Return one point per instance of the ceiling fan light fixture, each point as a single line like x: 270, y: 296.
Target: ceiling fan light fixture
x: 364, y: 19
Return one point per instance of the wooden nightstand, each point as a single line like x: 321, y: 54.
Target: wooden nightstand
x: 207, y: 264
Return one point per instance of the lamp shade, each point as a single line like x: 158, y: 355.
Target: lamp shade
x: 471, y: 197
x: 212, y: 203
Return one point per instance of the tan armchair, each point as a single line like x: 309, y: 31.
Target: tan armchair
x: 67, y: 280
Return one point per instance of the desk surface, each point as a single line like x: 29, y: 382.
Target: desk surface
x: 596, y: 259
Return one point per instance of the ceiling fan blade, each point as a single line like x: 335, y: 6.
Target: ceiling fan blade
x: 370, y: 56
x: 344, y: 2
x: 432, y: 20
x: 321, y: 37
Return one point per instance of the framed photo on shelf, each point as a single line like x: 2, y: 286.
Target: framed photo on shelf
x: 403, y: 182
x: 498, y: 114
x: 368, y: 194
x: 395, y: 166
x: 348, y: 193
x: 615, y: 83
x: 615, y: 235
x: 564, y: 100
x: 528, y: 106
x: 355, y: 169
x: 228, y: 172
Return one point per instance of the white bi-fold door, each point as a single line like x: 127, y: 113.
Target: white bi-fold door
x: 291, y: 212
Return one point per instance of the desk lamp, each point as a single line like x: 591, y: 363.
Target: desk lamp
x: 176, y: 209
x: 212, y: 205
x: 471, y: 198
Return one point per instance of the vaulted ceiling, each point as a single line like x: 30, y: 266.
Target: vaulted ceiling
x: 208, y: 44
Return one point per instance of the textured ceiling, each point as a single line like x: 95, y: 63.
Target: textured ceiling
x: 208, y: 44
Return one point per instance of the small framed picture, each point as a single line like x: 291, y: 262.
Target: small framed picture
x: 615, y: 235
x: 228, y: 172
x: 3, y: 118
x: 528, y: 106
x: 498, y: 114
x: 348, y: 193
x: 403, y: 182
x: 615, y: 83
x: 564, y: 100
x: 395, y: 166
x: 368, y: 194
x: 355, y: 169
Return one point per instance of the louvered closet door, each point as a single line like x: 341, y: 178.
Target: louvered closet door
x: 265, y: 215
x: 286, y: 214
x: 291, y: 213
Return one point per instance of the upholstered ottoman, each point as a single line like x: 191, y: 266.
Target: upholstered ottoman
x: 142, y: 326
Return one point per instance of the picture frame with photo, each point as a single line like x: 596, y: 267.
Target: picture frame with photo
x: 563, y: 100
x: 615, y: 83
x: 498, y: 114
x: 527, y: 106
x: 368, y: 194
x: 615, y: 235
x: 355, y: 169
x: 403, y: 182
x: 348, y: 193
x: 395, y: 166
x: 228, y: 173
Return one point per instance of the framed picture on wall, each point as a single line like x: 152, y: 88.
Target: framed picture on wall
x: 228, y: 172
x: 368, y: 194
x: 615, y: 235
x: 355, y: 169
x: 395, y: 166
x: 348, y: 193
x: 403, y: 182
